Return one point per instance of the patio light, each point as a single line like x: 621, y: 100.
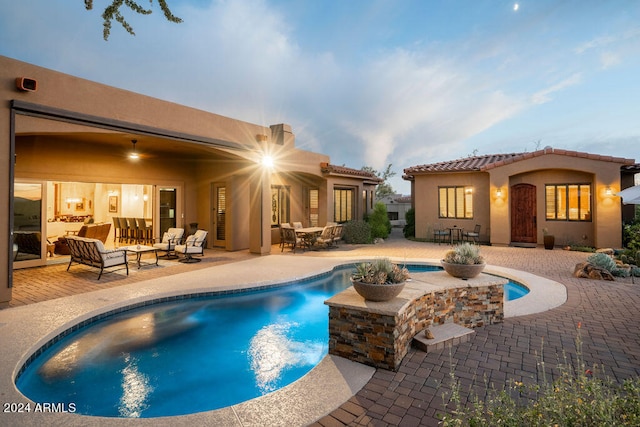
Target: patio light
x: 267, y: 161
x: 134, y: 155
x: 499, y: 192
x: 608, y: 191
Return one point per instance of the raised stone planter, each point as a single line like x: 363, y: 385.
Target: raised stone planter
x: 371, y: 292
x: 463, y: 271
x: 379, y: 334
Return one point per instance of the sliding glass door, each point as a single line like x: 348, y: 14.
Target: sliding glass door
x: 219, y: 198
x: 29, y: 244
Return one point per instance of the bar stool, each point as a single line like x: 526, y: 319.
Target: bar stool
x: 144, y: 230
x: 132, y: 230
x: 117, y: 229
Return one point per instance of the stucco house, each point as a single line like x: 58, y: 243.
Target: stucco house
x: 397, y: 207
x: 66, y: 146
x: 517, y: 198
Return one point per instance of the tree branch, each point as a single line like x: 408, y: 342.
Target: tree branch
x: 112, y: 12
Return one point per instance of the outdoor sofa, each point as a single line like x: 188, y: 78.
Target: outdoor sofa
x: 92, y: 252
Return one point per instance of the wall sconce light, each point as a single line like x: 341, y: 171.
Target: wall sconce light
x: 608, y: 191
x: 26, y: 84
x: 267, y: 161
x: 134, y: 155
x: 499, y: 192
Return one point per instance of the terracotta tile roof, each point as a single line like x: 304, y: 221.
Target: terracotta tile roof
x: 490, y: 161
x: 330, y: 169
x: 403, y: 199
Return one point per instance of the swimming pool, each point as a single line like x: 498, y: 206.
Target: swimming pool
x: 191, y: 355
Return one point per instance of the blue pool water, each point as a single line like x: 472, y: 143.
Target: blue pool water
x: 191, y: 355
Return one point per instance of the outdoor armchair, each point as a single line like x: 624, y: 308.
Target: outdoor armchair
x: 167, y: 244
x: 194, y: 245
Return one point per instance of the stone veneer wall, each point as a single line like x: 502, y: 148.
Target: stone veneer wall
x: 382, y: 340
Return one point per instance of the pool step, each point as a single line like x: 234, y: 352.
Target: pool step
x: 443, y: 336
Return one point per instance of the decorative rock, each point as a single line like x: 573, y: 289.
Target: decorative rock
x: 589, y: 271
x: 608, y: 251
x: 428, y: 334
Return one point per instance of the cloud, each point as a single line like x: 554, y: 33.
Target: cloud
x: 544, y: 96
x: 612, y: 49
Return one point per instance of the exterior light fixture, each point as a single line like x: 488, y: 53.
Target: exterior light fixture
x: 267, y: 161
x: 608, y: 192
x: 499, y: 192
x: 134, y: 155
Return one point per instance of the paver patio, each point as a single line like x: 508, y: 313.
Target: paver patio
x: 500, y: 352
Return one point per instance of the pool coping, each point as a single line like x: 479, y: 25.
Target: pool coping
x: 319, y: 392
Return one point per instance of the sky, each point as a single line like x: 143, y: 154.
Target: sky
x: 369, y: 83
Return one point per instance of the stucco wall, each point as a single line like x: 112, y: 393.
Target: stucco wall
x: 426, y: 203
x: 492, y: 211
x: 604, y: 231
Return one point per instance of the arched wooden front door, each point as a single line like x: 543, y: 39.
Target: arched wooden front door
x: 523, y: 213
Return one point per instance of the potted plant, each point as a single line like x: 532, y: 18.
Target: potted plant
x: 379, y: 280
x: 549, y: 239
x: 463, y: 261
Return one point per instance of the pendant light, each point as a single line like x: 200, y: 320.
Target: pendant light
x: 134, y: 155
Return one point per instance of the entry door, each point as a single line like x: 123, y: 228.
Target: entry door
x: 523, y: 213
x: 219, y: 214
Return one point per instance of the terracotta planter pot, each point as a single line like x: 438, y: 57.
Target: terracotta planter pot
x: 372, y: 292
x: 463, y: 271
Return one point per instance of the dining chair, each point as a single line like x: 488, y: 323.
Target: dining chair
x: 440, y: 234
x: 472, y: 235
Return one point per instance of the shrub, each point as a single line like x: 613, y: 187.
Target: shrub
x: 357, y: 232
x: 631, y: 235
x: 606, y: 262
x: 409, y: 229
x: 380, y: 272
x: 379, y: 221
x: 578, y: 397
x: 580, y: 248
x: 464, y: 253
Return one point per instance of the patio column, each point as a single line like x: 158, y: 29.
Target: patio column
x: 259, y: 221
x: 7, y: 118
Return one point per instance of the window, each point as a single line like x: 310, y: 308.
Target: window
x: 455, y: 202
x: 343, y: 208
x: 568, y: 202
x: 279, y: 205
x: 314, y: 207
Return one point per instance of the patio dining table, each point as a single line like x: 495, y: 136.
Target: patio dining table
x: 455, y: 233
x: 309, y: 234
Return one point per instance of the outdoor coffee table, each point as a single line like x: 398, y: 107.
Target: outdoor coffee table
x: 139, y: 250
